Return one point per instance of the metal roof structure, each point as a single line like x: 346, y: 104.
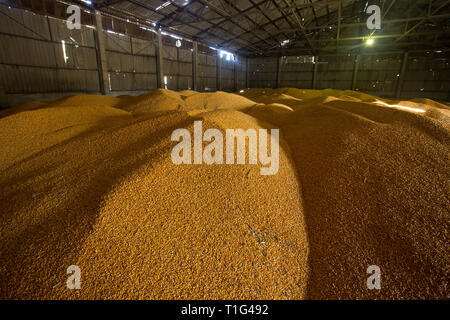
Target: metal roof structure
x: 284, y: 27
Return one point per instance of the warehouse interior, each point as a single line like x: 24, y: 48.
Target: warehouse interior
x: 270, y: 44
x: 88, y: 113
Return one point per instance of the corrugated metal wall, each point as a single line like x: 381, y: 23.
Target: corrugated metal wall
x: 41, y: 55
x: 427, y: 74
x: 379, y: 74
x: 241, y: 69
x: 335, y: 72
x: 177, y: 68
x: 296, y: 72
x: 262, y: 72
x: 227, y: 75
x: 42, y: 59
x: 206, y: 72
x: 131, y: 62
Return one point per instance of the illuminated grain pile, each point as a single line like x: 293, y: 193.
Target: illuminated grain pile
x: 88, y: 181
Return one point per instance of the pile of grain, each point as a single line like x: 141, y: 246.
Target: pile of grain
x: 217, y: 100
x: 375, y: 191
x: 110, y: 201
x: 156, y: 100
x: 27, y: 133
x: 88, y: 180
x: 187, y: 100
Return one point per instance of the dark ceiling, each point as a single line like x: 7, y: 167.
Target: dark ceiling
x: 278, y: 27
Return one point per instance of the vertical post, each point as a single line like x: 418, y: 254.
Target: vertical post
x: 159, y: 61
x: 355, y: 72
x: 278, y: 71
x: 316, y: 66
x: 338, y: 35
x: 51, y: 38
x: 178, y: 68
x: 104, y: 81
x: 218, y: 72
x: 402, y: 75
x: 194, y: 65
x: 131, y: 47
x: 235, y: 74
x: 247, y: 72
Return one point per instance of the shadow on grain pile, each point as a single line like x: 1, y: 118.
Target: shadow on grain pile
x: 109, y: 200
x: 375, y: 192
x: 71, y: 187
x: 88, y: 180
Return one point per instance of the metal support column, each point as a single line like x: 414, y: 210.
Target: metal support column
x: 218, y: 73
x: 402, y: 75
x: 278, y: 72
x: 159, y: 61
x: 247, y: 72
x: 235, y: 75
x: 355, y: 71
x: 316, y: 66
x: 104, y: 80
x: 194, y: 66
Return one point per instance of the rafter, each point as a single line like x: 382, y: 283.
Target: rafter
x: 311, y: 24
x: 423, y: 20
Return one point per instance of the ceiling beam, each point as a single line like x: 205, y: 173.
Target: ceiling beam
x: 257, y: 6
x: 300, y: 25
x: 346, y: 50
x: 260, y: 39
x: 107, y: 3
x: 358, y: 24
x: 365, y: 53
x: 141, y: 20
x: 223, y: 19
x: 249, y: 19
x: 230, y: 19
x: 311, y: 4
x: 176, y: 12
x: 423, y: 20
x: 194, y: 37
x: 285, y: 15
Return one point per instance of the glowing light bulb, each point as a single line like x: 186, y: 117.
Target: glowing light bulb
x: 370, y: 41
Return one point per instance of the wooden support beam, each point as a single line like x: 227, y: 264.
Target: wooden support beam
x: 103, y: 76
x: 401, y: 79
x: 195, y: 66
x: 355, y: 72
x: 159, y: 61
